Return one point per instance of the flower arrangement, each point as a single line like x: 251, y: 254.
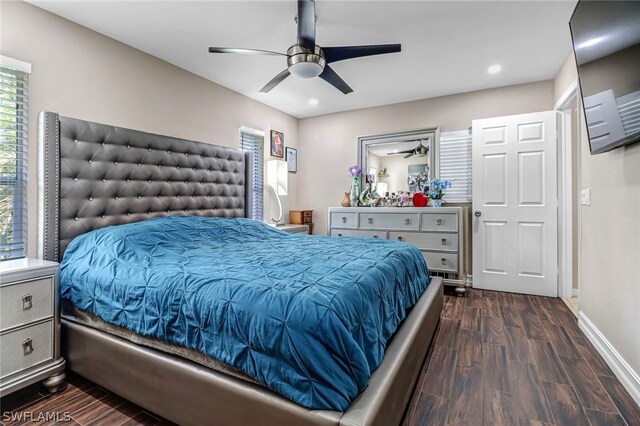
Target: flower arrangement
x: 354, y: 171
x: 436, y: 188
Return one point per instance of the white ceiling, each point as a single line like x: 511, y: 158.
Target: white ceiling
x: 446, y: 46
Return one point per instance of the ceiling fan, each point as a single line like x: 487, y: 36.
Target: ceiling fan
x: 306, y: 59
x: 419, y: 151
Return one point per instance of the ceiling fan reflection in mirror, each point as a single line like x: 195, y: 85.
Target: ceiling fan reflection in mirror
x: 419, y: 151
x: 306, y: 59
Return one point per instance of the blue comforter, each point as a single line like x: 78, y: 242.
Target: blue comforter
x: 307, y: 316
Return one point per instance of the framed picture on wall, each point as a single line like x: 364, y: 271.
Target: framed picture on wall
x: 292, y: 160
x: 277, y: 144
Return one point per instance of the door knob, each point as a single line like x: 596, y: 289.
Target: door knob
x: 477, y: 213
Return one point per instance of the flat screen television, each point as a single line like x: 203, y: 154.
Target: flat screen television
x: 606, y: 43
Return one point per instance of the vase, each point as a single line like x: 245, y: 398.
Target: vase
x: 354, y: 193
x: 436, y: 202
x: 346, y: 202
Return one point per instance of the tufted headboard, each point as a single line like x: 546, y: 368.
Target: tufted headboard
x: 94, y: 175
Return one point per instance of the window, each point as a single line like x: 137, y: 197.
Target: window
x: 254, y: 143
x: 455, y: 164
x: 13, y: 158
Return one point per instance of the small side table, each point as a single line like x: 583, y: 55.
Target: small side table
x: 294, y: 229
x: 302, y: 217
x: 29, y: 325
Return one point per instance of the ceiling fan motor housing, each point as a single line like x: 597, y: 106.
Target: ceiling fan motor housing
x: 305, y: 63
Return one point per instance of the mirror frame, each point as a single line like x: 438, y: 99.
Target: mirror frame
x: 433, y: 133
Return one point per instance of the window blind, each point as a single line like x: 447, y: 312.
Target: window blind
x: 13, y: 163
x: 455, y: 164
x: 255, y: 145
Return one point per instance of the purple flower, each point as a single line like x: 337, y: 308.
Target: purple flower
x: 354, y: 171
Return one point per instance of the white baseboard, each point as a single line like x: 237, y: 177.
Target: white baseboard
x: 574, y: 292
x: 623, y: 371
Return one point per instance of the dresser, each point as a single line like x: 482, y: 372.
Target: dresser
x: 29, y: 325
x: 437, y: 232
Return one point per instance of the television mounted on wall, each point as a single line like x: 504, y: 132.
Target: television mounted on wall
x: 606, y: 44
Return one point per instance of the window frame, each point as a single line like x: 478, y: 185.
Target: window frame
x: 19, y: 72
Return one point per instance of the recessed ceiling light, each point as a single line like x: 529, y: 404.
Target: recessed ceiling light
x: 590, y: 42
x: 494, y: 69
x: 313, y: 101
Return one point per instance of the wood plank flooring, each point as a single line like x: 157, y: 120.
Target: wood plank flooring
x: 510, y: 359
x: 497, y: 359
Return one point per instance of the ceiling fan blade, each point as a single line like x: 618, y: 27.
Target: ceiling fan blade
x: 275, y: 81
x: 307, y: 23
x: 330, y: 76
x: 335, y: 54
x: 409, y: 155
x: 243, y: 51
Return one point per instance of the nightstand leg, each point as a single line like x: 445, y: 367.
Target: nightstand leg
x: 460, y: 291
x: 54, y: 383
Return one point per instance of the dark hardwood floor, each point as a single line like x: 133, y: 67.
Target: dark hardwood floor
x: 510, y: 359
x: 497, y: 359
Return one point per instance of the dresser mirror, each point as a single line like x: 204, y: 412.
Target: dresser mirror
x: 399, y: 162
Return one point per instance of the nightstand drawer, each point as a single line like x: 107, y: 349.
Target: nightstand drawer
x: 25, y: 302
x: 23, y: 348
x: 408, y: 221
x: 441, y: 262
x: 343, y: 220
x: 428, y: 240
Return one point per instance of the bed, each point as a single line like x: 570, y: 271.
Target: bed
x: 95, y: 176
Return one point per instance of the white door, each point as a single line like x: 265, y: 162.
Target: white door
x: 603, y: 119
x: 515, y: 221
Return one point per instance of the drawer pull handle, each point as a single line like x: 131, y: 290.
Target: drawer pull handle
x: 27, y: 346
x: 438, y: 221
x: 399, y: 238
x: 407, y: 221
x: 375, y: 236
x: 444, y: 261
x: 344, y: 219
x: 369, y: 220
x: 444, y: 241
x: 27, y: 302
x: 339, y: 235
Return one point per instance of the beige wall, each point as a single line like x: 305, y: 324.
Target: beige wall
x: 80, y: 73
x: 565, y: 77
x: 328, y: 144
x: 610, y: 241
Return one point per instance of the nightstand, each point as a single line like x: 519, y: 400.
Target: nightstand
x: 29, y: 325
x: 300, y: 217
x: 293, y: 228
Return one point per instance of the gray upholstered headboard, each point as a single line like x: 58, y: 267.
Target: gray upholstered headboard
x: 94, y: 175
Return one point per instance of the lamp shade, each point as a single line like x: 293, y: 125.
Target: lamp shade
x: 277, y: 176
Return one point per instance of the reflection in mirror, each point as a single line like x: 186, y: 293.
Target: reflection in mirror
x: 399, y: 166
x: 399, y: 162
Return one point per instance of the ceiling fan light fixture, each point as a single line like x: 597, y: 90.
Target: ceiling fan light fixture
x: 304, y: 63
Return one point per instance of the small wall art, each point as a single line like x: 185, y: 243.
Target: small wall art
x: 277, y: 144
x: 292, y: 160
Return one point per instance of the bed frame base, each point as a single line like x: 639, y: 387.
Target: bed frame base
x: 190, y: 394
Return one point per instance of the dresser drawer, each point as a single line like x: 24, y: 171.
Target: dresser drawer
x: 25, y: 302
x: 358, y: 233
x: 344, y: 220
x: 441, y: 262
x: 428, y: 240
x: 399, y: 221
x: 14, y: 346
x: 439, y: 222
